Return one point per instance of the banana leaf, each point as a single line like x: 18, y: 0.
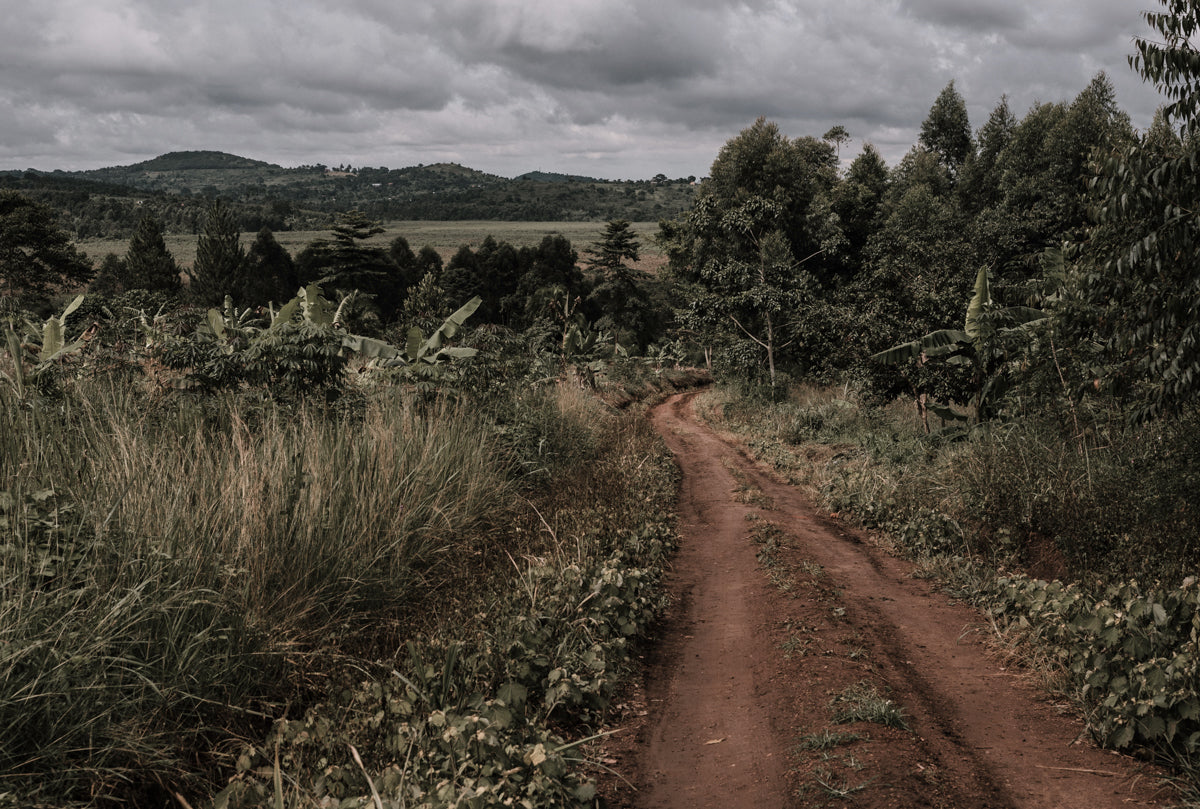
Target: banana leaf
x: 369, y: 347
x: 981, y: 298
x: 938, y: 343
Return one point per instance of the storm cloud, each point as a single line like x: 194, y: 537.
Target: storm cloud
x: 609, y: 88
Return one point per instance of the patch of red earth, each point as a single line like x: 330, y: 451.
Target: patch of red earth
x: 779, y: 616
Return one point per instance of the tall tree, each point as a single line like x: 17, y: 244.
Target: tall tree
x: 744, y: 245
x: 220, y: 259
x: 618, y: 300
x: 837, y: 135
x: 36, y: 255
x: 1143, y: 284
x: 856, y: 201
x: 980, y: 182
x: 609, y: 257
x: 270, y: 273
x: 148, y: 263
x: 947, y: 131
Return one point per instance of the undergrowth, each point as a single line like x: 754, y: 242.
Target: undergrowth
x: 194, y: 585
x: 1077, y: 537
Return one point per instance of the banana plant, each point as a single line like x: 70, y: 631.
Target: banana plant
x: 227, y: 326
x: 980, y: 344
x: 311, y: 305
x: 433, y: 349
x: 40, y: 346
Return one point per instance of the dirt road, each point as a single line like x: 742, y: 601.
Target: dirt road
x: 792, y: 638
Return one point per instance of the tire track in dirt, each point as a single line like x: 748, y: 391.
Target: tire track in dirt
x: 725, y: 707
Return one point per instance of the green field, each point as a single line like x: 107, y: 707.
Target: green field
x: 444, y: 236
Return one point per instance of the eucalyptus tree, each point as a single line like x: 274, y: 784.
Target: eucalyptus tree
x: 837, y: 135
x: 946, y: 131
x: 749, y: 250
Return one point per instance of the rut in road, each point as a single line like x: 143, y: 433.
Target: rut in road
x: 728, y: 708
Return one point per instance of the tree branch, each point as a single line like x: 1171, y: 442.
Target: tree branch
x: 748, y: 334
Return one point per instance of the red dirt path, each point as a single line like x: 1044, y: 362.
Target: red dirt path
x: 776, y: 612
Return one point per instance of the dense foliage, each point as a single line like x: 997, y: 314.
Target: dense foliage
x: 36, y: 256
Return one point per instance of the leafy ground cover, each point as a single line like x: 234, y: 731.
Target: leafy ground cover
x: 1078, y: 568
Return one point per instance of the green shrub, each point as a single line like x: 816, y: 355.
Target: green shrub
x: 1133, y: 653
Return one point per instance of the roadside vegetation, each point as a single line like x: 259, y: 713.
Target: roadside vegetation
x: 250, y: 591
x: 353, y: 520
x: 1080, y: 549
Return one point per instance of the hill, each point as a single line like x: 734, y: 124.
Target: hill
x: 552, y: 177
x: 176, y: 187
x: 190, y: 161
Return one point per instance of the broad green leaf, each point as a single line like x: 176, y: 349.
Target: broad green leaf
x: 416, y: 338
x: 216, y: 322
x: 369, y: 347
x: 1020, y: 315
x: 317, y: 309
x: 945, y: 341
x: 456, y: 320
x: 900, y: 353
x: 71, y: 307
x: 62, y: 352
x: 979, y: 300
x: 458, y: 352
x: 286, y: 312
x: 52, y: 337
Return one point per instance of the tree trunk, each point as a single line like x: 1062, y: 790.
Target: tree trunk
x: 771, y: 348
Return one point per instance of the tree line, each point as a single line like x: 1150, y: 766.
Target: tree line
x: 1068, y: 236
x: 786, y: 266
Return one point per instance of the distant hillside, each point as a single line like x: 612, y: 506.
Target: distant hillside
x: 176, y: 186
x: 208, y: 173
x: 552, y: 177
x: 191, y: 161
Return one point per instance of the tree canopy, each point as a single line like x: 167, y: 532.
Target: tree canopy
x: 36, y: 255
x: 1140, y: 277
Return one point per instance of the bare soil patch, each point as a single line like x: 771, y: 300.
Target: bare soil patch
x: 801, y: 665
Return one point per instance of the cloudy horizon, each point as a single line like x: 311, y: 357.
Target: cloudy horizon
x: 617, y: 89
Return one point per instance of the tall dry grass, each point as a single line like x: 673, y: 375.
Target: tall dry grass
x: 169, y: 574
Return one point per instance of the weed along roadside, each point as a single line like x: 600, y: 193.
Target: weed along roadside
x: 862, y: 682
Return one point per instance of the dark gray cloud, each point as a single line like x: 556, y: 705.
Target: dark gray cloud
x: 614, y: 88
x: 970, y: 17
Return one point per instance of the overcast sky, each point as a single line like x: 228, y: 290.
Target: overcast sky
x: 606, y: 88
